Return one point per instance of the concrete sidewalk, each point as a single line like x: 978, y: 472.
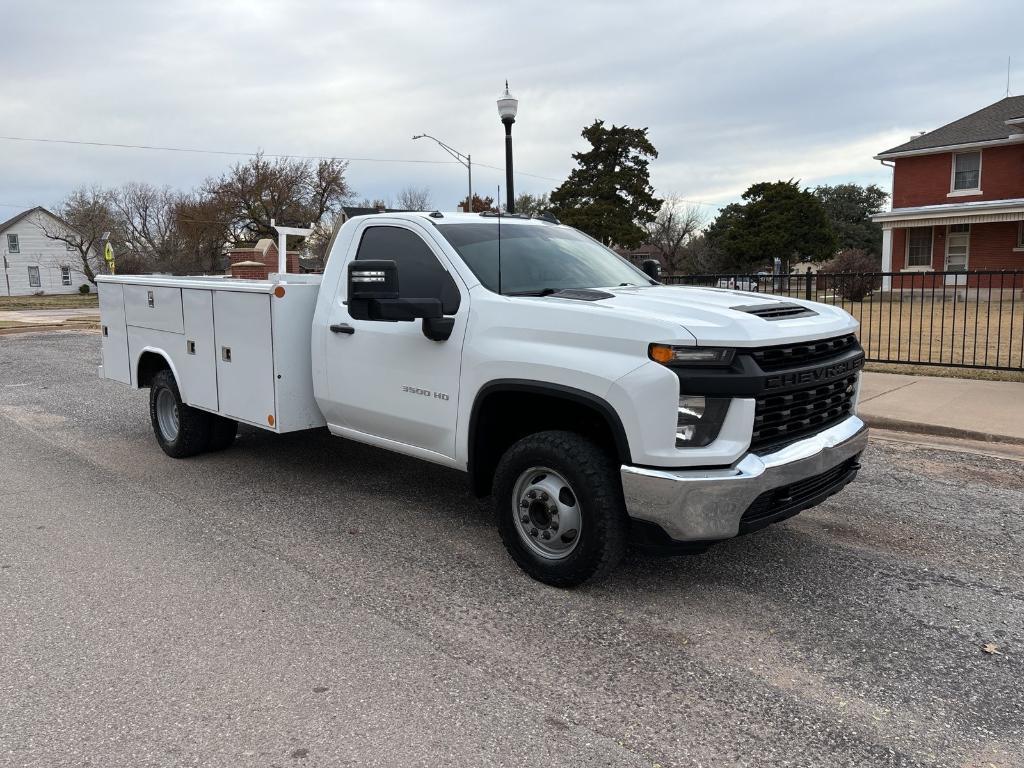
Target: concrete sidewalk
x: 969, y: 409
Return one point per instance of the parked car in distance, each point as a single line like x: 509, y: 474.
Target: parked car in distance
x: 738, y: 283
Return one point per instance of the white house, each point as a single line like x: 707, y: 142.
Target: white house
x: 33, y: 263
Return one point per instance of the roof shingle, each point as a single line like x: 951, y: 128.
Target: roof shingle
x: 987, y: 124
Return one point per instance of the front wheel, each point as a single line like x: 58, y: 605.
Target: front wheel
x: 559, y: 507
x: 180, y: 430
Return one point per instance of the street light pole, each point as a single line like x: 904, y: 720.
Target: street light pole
x: 466, y: 160
x: 507, y: 108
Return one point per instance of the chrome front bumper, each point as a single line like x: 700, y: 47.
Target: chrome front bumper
x: 707, y: 504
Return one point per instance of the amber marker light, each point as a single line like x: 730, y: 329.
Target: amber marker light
x: 279, y: 291
x: 660, y: 353
x: 270, y: 419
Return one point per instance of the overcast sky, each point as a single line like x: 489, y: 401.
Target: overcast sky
x: 732, y: 93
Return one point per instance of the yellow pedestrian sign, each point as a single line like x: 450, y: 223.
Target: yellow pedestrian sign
x: 108, y: 256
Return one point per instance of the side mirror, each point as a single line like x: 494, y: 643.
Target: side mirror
x: 651, y: 268
x: 369, y: 281
x: 373, y: 294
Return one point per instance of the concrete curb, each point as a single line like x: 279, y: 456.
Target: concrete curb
x: 899, y: 425
x: 41, y: 328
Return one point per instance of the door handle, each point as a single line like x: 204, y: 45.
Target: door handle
x: 343, y: 328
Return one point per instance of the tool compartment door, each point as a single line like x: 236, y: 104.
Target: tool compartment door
x: 198, y: 364
x: 245, y: 357
x: 115, y: 332
x: 153, y: 306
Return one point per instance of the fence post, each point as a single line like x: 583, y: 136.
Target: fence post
x: 807, y: 285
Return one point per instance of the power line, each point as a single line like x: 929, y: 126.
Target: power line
x: 232, y: 153
x: 193, y: 150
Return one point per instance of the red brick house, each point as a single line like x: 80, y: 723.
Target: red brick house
x: 958, y: 197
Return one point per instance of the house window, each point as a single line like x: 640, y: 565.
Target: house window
x: 966, y: 171
x: 33, y: 278
x: 65, y: 275
x: 919, y: 247
x: 69, y: 246
x: 1020, y: 235
x: 12, y: 244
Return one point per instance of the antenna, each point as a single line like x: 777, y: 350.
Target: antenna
x: 499, y: 242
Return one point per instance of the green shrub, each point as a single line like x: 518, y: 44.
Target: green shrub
x: 84, y: 288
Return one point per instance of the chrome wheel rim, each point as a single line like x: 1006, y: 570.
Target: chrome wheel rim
x: 546, y: 513
x: 167, y: 414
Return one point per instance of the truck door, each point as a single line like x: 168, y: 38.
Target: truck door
x: 386, y: 379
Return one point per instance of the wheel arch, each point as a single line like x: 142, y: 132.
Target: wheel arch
x: 150, y: 362
x: 535, y: 406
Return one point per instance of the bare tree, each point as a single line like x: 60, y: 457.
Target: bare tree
x: 292, y: 192
x: 85, y: 217
x: 203, y: 227
x: 676, y: 223
x: 415, y: 199
x: 147, y: 218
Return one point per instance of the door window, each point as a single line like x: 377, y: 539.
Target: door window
x: 420, y: 274
x: 958, y: 242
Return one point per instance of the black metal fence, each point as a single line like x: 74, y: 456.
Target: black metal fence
x: 959, y: 319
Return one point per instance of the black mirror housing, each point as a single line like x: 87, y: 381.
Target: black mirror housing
x: 373, y: 294
x: 651, y: 268
x: 369, y: 281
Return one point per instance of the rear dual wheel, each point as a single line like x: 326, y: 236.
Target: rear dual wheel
x: 181, y: 430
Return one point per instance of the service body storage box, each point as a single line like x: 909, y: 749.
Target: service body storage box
x: 239, y: 348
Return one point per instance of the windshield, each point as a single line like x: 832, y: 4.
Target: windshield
x: 539, y: 259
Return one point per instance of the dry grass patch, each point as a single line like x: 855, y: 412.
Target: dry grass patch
x: 50, y: 301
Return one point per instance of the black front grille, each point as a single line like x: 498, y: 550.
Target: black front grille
x: 787, y: 416
x: 780, y: 503
x: 805, y: 353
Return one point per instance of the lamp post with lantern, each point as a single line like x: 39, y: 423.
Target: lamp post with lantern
x: 507, y: 107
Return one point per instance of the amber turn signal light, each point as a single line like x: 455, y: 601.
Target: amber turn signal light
x: 660, y: 353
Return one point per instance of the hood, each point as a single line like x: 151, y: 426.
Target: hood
x: 712, y: 317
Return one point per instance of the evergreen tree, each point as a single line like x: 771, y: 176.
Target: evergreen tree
x: 776, y: 219
x: 609, y: 194
x: 849, y: 207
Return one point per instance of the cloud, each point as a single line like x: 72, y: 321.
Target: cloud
x: 732, y: 93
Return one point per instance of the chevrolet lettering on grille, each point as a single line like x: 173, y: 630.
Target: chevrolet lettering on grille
x: 824, y: 373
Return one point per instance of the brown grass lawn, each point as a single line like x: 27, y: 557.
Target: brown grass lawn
x: 50, y: 301
x: 954, y: 331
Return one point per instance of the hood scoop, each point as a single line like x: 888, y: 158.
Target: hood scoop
x: 582, y: 294
x: 779, y: 311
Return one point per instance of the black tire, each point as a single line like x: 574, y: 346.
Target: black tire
x: 594, y: 479
x: 222, y: 432
x: 193, y: 432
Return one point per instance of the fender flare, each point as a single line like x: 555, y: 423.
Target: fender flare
x: 159, y: 353
x: 579, y: 396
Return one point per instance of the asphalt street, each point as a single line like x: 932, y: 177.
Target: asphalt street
x: 304, y: 600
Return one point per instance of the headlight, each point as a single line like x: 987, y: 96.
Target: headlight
x: 670, y: 355
x: 699, y: 420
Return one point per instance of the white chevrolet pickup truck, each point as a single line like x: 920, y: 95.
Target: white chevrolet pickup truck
x: 594, y: 405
